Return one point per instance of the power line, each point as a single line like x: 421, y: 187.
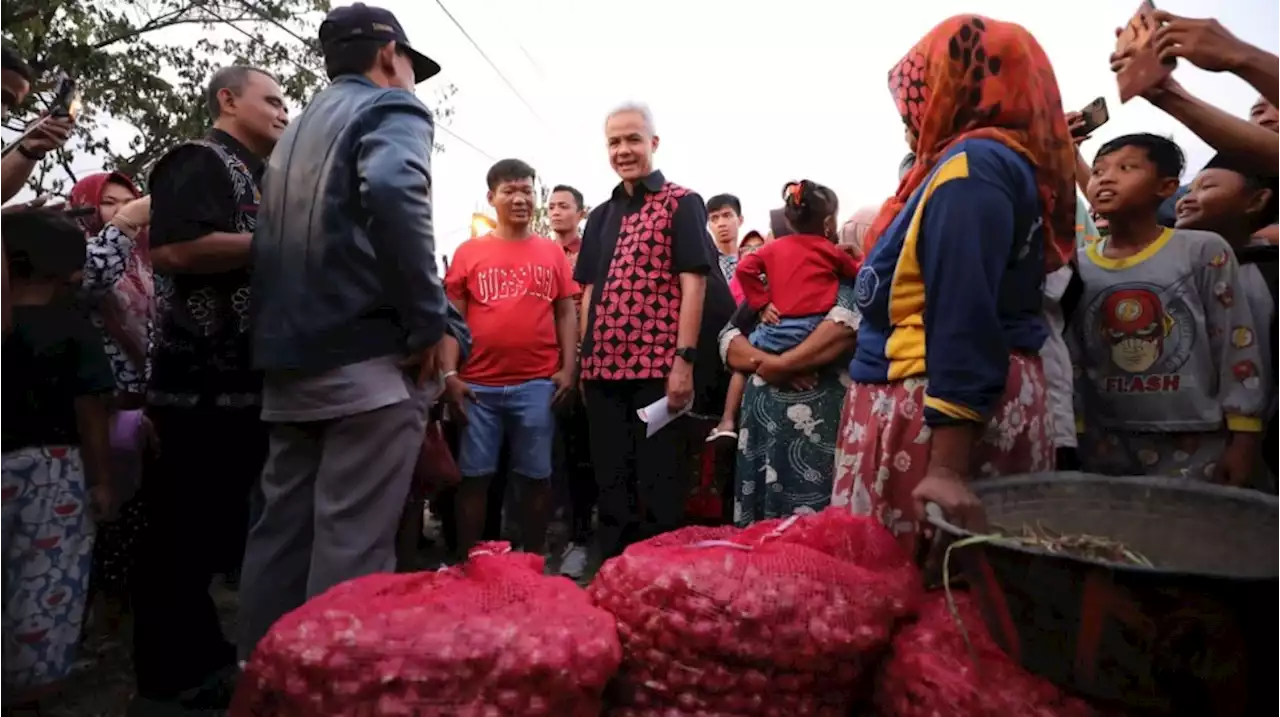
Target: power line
x: 511, y: 86
x: 313, y: 73
x: 267, y: 18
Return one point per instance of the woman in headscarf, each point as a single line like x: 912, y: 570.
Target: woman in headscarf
x: 853, y: 233
x: 118, y: 279
x: 119, y: 290
x: 954, y: 264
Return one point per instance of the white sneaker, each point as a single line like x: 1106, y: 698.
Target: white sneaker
x: 573, y: 561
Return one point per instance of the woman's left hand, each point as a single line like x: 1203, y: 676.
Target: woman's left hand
x: 951, y: 492
x: 771, y: 370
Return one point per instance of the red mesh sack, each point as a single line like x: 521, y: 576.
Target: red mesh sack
x: 779, y: 618
x: 492, y: 637
x: 930, y: 671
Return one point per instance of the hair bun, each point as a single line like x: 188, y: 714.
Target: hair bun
x: 793, y: 193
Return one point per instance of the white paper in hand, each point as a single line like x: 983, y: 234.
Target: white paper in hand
x: 658, y: 414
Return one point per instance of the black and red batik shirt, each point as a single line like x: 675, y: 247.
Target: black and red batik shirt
x: 633, y: 251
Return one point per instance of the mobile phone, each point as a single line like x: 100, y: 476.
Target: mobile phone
x: 1094, y: 115
x: 66, y: 100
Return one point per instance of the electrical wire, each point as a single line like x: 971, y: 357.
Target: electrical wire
x: 320, y: 76
x: 510, y: 85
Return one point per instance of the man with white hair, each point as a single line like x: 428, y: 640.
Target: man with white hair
x: 648, y: 292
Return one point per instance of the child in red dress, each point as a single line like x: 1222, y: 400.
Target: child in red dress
x: 804, y: 270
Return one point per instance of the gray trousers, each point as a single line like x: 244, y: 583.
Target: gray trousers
x: 333, y: 495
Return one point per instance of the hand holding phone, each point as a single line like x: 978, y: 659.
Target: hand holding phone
x: 1138, y: 66
x: 1089, y: 119
x: 66, y: 99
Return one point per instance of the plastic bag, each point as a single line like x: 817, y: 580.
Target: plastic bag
x: 930, y: 671
x: 779, y: 618
x: 493, y: 637
x: 436, y: 469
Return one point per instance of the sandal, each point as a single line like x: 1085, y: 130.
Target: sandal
x: 717, y: 434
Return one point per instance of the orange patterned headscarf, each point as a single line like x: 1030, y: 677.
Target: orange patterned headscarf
x: 973, y: 77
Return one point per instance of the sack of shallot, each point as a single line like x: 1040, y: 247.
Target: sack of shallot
x: 933, y: 668
x: 782, y: 618
x: 489, y: 638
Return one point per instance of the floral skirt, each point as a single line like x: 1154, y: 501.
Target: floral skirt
x: 883, y: 447
x: 48, y: 550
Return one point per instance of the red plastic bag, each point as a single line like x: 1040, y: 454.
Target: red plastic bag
x: 779, y: 618
x: 493, y: 637
x: 930, y: 671
x: 436, y: 469
x: 706, y: 499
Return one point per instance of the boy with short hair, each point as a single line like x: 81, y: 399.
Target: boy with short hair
x: 56, y: 455
x: 515, y: 290
x: 1227, y: 199
x: 724, y: 219
x: 1169, y: 385
x: 566, y: 211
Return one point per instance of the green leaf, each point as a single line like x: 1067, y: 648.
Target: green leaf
x: 145, y: 64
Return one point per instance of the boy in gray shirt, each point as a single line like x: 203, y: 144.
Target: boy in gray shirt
x: 1227, y: 199
x: 1170, y: 373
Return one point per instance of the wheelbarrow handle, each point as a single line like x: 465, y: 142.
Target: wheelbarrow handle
x: 933, y: 513
x: 924, y: 546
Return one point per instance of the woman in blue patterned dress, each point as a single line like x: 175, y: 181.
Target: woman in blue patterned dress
x: 790, y: 416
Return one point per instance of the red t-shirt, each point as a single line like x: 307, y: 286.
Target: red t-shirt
x: 510, y: 288
x: 804, y: 272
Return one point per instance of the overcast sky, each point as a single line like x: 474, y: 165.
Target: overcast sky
x: 746, y: 96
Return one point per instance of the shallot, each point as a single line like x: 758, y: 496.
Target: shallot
x: 784, y: 617
x: 492, y: 638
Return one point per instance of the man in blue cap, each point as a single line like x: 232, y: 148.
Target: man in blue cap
x: 351, y: 324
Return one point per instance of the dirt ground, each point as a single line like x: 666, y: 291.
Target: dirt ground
x: 104, y: 685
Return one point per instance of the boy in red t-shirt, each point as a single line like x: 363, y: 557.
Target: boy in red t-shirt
x: 803, y: 271
x: 516, y: 291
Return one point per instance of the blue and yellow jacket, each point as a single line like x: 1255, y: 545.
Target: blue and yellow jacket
x: 956, y: 278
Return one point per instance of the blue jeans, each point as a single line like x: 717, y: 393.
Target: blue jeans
x: 786, y: 334
x: 521, y: 413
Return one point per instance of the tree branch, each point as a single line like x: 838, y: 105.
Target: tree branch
x: 64, y: 160
x: 156, y: 24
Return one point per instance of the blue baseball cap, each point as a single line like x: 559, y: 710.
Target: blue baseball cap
x: 365, y: 22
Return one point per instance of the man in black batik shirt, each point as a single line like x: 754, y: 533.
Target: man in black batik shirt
x: 203, y: 396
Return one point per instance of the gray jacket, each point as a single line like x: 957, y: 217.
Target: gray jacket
x: 344, y: 265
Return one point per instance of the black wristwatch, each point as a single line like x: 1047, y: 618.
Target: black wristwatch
x: 30, y: 154
x: 689, y: 354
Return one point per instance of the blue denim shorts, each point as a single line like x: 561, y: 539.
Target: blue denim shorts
x: 787, y: 334
x: 519, y: 414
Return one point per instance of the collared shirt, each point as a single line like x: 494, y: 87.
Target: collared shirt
x: 633, y: 251
x: 728, y: 265
x: 572, y: 249
x: 201, y: 348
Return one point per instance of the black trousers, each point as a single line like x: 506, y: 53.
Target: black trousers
x: 574, y: 469
x: 197, y: 511
x: 642, y: 487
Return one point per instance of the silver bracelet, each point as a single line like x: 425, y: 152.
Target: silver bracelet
x: 447, y: 375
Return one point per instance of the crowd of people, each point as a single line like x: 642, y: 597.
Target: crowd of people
x: 233, y: 374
